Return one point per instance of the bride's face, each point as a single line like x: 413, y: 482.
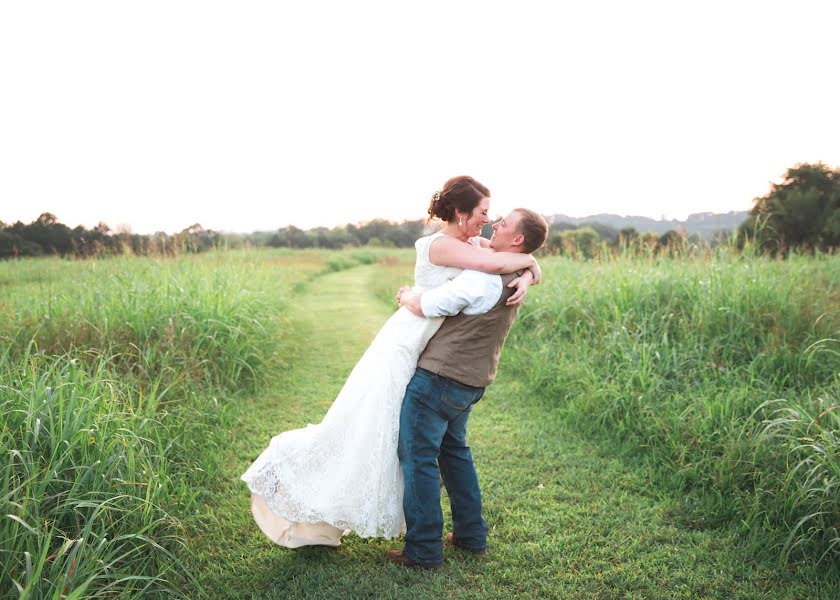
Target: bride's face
x: 478, y: 218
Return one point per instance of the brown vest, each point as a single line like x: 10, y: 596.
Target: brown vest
x: 466, y: 348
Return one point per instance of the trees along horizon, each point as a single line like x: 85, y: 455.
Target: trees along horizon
x: 800, y: 213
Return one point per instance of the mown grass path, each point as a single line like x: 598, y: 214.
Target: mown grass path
x: 567, y: 520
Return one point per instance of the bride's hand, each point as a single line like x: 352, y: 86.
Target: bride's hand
x: 402, y: 290
x: 521, y: 283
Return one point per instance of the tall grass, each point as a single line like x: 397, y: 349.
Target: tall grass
x: 721, y: 372
x: 114, y: 379
x: 718, y: 370
x: 86, y: 479
x: 117, y: 378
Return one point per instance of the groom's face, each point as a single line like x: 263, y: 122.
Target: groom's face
x: 504, y: 233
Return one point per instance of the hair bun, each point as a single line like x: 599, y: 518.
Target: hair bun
x: 461, y: 193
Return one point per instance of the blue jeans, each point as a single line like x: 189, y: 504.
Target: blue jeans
x: 433, y: 431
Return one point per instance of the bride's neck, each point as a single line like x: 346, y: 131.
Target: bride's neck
x: 452, y: 230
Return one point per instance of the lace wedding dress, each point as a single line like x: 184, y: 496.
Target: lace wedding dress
x: 313, y: 485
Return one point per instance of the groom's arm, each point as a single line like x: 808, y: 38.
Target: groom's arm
x: 471, y: 292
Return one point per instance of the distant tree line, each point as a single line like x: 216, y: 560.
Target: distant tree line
x: 378, y: 232
x: 802, y: 212
x: 594, y: 239
x: 47, y: 236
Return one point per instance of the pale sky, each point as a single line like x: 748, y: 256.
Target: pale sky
x: 253, y: 115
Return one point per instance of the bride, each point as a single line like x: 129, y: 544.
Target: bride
x: 313, y: 485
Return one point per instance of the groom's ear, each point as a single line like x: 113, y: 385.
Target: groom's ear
x: 518, y: 241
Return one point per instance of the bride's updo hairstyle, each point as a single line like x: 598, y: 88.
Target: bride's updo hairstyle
x: 462, y: 192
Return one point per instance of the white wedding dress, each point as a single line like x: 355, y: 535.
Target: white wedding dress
x: 313, y: 485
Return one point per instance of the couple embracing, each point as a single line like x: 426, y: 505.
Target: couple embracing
x: 373, y: 465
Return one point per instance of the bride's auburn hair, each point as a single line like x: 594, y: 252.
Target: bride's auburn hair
x: 462, y: 193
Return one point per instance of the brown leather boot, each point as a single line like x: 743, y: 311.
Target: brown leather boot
x: 449, y: 538
x: 398, y: 558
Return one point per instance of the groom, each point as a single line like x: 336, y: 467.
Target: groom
x: 458, y: 363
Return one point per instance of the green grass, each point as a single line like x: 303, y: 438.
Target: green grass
x: 86, y: 477
x: 658, y: 428
x: 568, y: 518
x: 721, y: 376
x: 114, y: 378
x: 118, y: 379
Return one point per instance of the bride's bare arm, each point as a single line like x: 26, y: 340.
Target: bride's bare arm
x: 449, y: 252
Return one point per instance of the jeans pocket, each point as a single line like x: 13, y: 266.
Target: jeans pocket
x: 419, y: 384
x: 460, y: 397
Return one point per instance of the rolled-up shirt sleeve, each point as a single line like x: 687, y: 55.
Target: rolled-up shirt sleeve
x: 471, y: 292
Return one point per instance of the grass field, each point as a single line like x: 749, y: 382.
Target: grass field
x: 721, y: 377
x: 658, y: 428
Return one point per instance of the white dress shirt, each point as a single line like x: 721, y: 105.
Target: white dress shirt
x: 471, y: 292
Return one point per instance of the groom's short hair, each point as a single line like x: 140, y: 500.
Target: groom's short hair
x: 533, y: 228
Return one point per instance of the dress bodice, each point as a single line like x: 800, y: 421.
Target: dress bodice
x: 428, y: 275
